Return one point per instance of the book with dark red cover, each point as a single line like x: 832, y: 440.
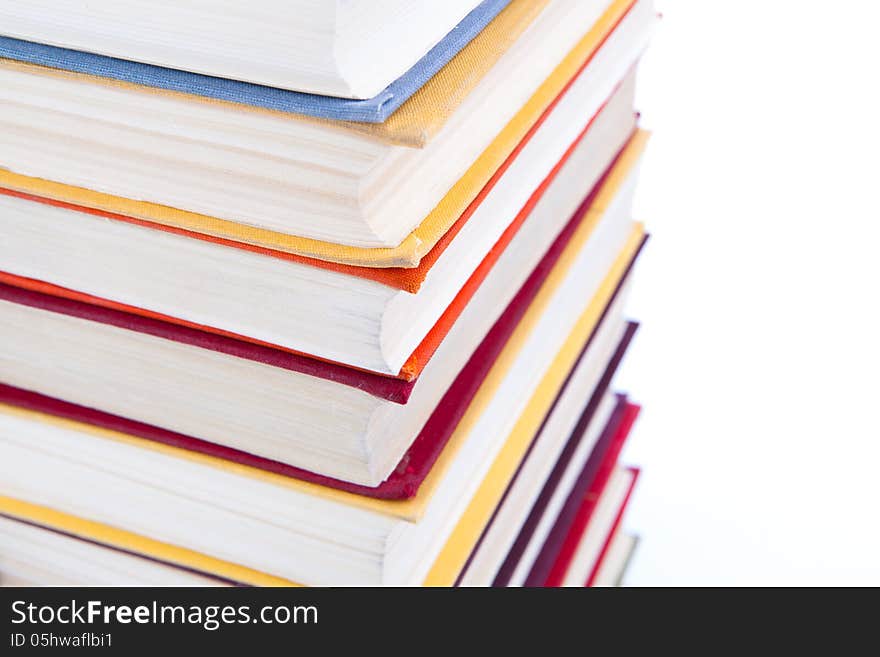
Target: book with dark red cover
x: 559, y: 547
x: 618, y: 521
x: 415, y: 465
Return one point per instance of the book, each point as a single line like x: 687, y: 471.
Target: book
x: 214, y: 498
x: 347, y: 50
x: 271, y: 403
x: 32, y: 555
x: 292, y: 304
x: 289, y: 184
x: 615, y: 561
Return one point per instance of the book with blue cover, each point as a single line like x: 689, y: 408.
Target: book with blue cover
x: 280, y: 97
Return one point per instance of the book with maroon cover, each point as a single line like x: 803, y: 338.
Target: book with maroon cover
x: 618, y: 522
x: 415, y: 464
x: 559, y: 547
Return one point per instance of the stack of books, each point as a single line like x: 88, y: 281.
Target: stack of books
x: 317, y: 293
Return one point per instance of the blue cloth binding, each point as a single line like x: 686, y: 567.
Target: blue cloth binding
x: 373, y: 110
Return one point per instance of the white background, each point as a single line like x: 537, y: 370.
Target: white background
x: 758, y: 359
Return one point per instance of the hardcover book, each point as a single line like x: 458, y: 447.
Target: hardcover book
x: 538, y: 543
x: 616, y: 560
x: 349, y: 62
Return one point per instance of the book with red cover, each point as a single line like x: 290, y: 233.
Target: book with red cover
x: 415, y: 465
